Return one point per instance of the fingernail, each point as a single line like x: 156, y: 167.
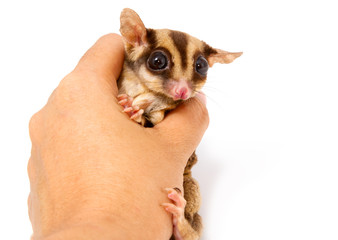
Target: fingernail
x: 201, y: 96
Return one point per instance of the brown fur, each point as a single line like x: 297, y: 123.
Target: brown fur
x: 152, y: 91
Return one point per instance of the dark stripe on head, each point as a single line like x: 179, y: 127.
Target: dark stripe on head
x: 198, y: 78
x: 181, y: 42
x: 208, y: 50
x: 151, y: 38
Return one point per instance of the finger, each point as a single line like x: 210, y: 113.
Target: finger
x: 185, y: 126
x: 104, y: 59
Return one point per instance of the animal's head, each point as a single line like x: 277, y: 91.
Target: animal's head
x: 168, y: 62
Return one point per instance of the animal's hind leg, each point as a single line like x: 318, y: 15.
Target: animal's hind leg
x: 189, y: 226
x: 182, y: 228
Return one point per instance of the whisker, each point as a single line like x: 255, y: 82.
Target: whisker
x: 209, y: 98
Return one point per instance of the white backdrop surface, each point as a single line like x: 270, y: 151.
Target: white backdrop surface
x: 267, y: 164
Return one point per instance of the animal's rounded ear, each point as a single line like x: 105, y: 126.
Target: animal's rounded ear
x: 132, y: 28
x: 221, y: 56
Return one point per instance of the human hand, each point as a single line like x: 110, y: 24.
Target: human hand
x: 94, y: 173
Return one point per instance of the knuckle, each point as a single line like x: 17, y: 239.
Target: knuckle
x: 109, y: 37
x: 34, y: 119
x: 31, y: 171
x: 34, y: 124
x: 29, y: 204
x: 202, y: 112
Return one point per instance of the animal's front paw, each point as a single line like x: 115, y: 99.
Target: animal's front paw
x: 134, y: 112
x: 176, y: 208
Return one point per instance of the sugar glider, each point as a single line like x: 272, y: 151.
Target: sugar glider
x: 161, y: 69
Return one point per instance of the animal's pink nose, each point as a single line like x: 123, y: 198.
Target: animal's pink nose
x: 181, y: 93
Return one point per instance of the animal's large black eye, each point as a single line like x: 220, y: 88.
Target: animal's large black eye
x: 202, y: 66
x: 157, y: 61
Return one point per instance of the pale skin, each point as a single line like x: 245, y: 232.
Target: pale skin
x: 96, y: 174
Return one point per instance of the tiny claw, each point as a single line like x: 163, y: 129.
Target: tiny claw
x: 122, y: 96
x: 168, y: 190
x: 176, y: 197
x: 123, y: 101
x: 175, y: 189
x: 137, y: 116
x: 128, y: 109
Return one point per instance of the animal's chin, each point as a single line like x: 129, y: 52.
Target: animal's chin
x: 175, y: 94
x: 179, y: 97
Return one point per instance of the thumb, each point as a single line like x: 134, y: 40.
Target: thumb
x: 103, y: 60
x: 184, y: 127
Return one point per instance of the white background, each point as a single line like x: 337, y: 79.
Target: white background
x: 268, y: 162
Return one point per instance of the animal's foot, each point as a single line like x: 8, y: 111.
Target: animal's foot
x: 134, y: 112
x: 176, y: 208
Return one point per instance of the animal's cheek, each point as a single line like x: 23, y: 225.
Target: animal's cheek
x: 198, y: 86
